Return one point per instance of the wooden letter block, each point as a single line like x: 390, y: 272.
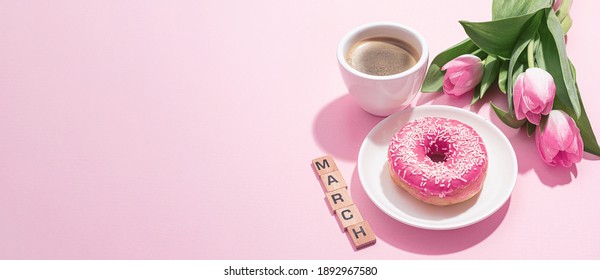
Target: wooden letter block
x: 333, y: 181
x: 349, y: 216
x: 324, y: 164
x: 362, y: 235
x: 339, y: 198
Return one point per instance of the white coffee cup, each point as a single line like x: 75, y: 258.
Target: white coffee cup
x: 383, y: 95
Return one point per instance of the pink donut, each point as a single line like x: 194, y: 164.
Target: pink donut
x: 437, y: 160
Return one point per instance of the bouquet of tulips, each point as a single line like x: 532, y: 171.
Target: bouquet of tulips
x: 523, y: 49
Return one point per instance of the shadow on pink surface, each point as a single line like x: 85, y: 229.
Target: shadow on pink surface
x: 437, y: 98
x: 463, y: 101
x: 422, y: 241
x: 341, y: 126
x: 527, y: 154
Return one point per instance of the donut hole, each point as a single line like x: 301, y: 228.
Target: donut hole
x: 437, y: 157
x: 438, y: 151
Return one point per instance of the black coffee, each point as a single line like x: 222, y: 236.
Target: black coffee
x: 382, y: 56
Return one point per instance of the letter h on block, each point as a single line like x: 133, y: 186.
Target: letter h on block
x: 362, y: 235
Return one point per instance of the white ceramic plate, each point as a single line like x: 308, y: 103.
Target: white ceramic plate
x: 398, y: 204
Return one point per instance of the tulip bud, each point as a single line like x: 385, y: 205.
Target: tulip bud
x: 462, y: 74
x: 556, y: 5
x: 560, y: 142
x: 533, y: 95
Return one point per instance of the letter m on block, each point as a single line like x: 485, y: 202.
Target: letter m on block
x: 324, y: 164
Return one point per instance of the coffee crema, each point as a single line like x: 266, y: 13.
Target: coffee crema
x: 382, y: 56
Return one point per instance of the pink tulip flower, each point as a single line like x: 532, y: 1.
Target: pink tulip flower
x: 533, y: 94
x: 556, y: 5
x: 462, y: 74
x: 560, y: 142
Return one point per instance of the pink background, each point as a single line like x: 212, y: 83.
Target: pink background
x: 185, y: 129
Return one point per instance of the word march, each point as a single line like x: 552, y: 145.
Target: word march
x: 341, y: 204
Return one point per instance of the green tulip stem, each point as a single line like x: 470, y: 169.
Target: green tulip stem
x: 530, y: 57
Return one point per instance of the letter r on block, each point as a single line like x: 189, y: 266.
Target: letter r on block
x: 338, y: 199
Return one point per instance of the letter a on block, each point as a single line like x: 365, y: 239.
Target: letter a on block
x: 333, y: 181
x: 324, y: 164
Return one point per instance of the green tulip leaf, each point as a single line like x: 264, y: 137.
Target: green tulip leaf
x: 490, y: 72
x: 574, y: 71
x: 435, y: 77
x: 500, y: 36
x: 543, y: 122
x: 502, y: 9
x: 533, y: 46
x: 565, y: 25
x: 507, y: 118
x: 520, y: 67
x: 553, y: 58
x: 502, y: 76
x: 480, y: 53
x: 476, y: 94
x: 530, y: 129
x: 563, y: 10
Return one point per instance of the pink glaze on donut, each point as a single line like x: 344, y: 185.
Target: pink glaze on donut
x: 437, y: 156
